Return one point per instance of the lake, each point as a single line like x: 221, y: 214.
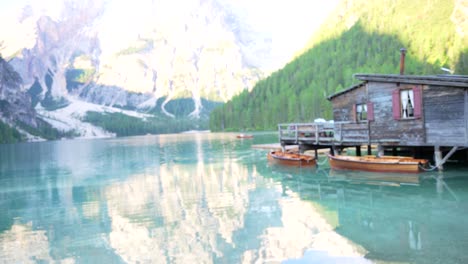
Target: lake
x: 212, y: 198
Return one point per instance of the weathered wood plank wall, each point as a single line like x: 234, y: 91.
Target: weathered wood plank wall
x: 444, y: 114
x: 387, y: 130
x: 351, y: 133
x: 343, y: 105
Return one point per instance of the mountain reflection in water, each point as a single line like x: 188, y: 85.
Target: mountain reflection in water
x: 212, y: 198
x: 408, y: 218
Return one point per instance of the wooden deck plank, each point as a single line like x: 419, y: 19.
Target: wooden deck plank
x: 274, y: 146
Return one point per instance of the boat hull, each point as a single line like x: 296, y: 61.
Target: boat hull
x: 291, y: 159
x: 382, y: 164
x: 244, y: 136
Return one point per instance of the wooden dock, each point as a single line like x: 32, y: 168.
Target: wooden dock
x: 277, y: 147
x: 274, y: 146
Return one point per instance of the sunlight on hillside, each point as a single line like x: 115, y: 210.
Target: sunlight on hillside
x: 436, y: 44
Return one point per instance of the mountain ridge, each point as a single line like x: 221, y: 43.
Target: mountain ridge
x: 204, y: 53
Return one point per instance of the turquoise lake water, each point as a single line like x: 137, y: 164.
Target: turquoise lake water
x: 212, y: 198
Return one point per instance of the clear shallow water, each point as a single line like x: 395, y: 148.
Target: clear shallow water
x: 211, y: 198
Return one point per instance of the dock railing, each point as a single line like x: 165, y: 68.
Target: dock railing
x: 311, y: 132
x: 324, y: 133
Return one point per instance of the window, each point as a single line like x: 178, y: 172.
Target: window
x: 361, y: 112
x: 407, y: 103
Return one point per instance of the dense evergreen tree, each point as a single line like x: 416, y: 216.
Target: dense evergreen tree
x: 298, y: 92
x: 124, y: 125
x: 8, y: 134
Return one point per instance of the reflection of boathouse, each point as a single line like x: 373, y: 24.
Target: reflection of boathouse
x: 396, y: 112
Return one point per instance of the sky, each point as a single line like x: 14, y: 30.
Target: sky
x: 290, y: 22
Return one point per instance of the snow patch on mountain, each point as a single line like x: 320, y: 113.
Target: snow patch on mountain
x: 70, y: 118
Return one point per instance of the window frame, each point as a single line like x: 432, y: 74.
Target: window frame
x: 359, y: 114
x: 409, y: 93
x: 369, y: 112
x: 397, y: 106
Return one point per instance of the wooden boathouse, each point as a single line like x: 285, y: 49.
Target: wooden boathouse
x: 418, y: 115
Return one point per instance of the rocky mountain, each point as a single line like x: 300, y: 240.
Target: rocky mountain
x: 15, y: 106
x: 197, y: 50
x: 140, y: 58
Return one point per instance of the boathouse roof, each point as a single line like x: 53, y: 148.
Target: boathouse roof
x: 346, y: 90
x: 449, y: 81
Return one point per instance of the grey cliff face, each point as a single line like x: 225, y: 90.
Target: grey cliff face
x: 15, y: 105
x: 57, y: 43
x: 204, y: 51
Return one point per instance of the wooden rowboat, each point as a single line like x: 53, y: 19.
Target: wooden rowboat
x: 291, y: 159
x: 244, y: 136
x: 377, y: 164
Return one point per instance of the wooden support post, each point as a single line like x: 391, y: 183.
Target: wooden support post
x: 341, y: 132
x: 296, y: 135
x: 369, y: 150
x: 438, y: 158
x: 358, y: 150
x: 380, y: 150
x: 301, y: 148
x: 280, y: 132
x: 316, y: 152
x: 316, y: 134
x: 332, y: 150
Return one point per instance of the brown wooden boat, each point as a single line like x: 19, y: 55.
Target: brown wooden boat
x: 244, y: 136
x: 372, y: 178
x: 377, y: 164
x: 291, y: 159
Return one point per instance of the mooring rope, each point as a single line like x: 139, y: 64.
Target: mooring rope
x: 431, y: 167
